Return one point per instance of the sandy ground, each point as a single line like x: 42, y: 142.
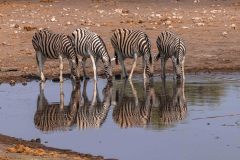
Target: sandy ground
x: 210, y: 30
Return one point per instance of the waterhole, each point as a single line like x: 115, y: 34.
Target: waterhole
x: 196, y: 120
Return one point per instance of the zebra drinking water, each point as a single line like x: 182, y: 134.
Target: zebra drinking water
x: 171, y: 46
x: 132, y: 44
x: 90, y: 45
x: 54, y: 46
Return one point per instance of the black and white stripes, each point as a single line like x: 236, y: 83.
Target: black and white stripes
x: 132, y: 44
x: 126, y: 44
x: 171, y: 46
x: 89, y: 45
x: 54, y: 46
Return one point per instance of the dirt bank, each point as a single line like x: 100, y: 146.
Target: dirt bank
x: 210, y: 30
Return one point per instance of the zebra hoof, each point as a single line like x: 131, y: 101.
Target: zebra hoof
x: 86, y: 77
x: 55, y: 80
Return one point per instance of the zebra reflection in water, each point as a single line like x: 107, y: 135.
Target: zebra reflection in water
x: 92, y: 114
x: 171, y: 108
x: 56, y: 116
x: 131, y: 111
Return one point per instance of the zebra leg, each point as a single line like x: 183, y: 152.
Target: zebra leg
x: 84, y: 67
x: 40, y: 61
x: 61, y: 68
x: 95, y: 94
x: 61, y: 97
x: 121, y: 60
x: 41, y: 98
x: 94, y: 68
x: 84, y: 92
x: 133, y: 66
x: 144, y: 68
x: 175, y: 72
x: 162, y: 70
x: 134, y: 93
x: 183, y: 74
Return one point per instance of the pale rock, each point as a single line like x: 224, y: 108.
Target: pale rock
x: 168, y: 22
x: 53, y: 19
x: 197, y: 19
x: 100, y: 11
x: 215, y: 11
x: 224, y: 33
x: 118, y: 10
x: 159, y: 15
x: 233, y: 26
x: 200, y: 24
x: 185, y: 27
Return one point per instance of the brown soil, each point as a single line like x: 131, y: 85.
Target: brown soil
x: 210, y: 30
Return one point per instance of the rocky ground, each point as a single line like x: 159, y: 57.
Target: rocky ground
x: 209, y: 28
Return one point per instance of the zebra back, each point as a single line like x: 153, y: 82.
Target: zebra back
x: 53, y: 44
x: 87, y: 42
x: 170, y: 45
x: 127, y: 42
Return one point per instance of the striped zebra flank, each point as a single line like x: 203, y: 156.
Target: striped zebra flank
x: 49, y: 45
x: 88, y: 44
x: 171, y: 46
x: 93, y: 113
x: 56, y: 116
x: 132, y: 44
x: 172, y: 108
x: 130, y: 111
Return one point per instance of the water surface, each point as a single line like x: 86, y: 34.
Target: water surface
x: 198, y: 120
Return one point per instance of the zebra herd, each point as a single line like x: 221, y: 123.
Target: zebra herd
x: 126, y: 43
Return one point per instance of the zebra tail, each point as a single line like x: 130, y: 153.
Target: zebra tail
x: 116, y: 58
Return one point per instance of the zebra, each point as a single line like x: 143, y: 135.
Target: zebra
x: 132, y: 44
x: 93, y: 113
x: 56, y: 116
x: 130, y: 111
x: 54, y: 46
x: 171, y: 46
x: 88, y: 44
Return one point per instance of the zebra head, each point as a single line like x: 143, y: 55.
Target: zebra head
x: 106, y: 60
x: 75, y: 68
x: 178, y: 64
x: 146, y: 49
x: 149, y: 65
x: 107, y: 67
x: 74, y: 61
